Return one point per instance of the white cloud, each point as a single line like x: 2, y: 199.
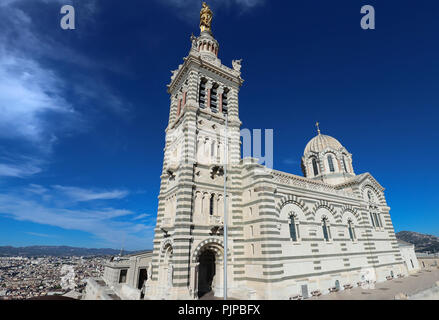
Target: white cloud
x: 81, y: 194
x: 35, y: 112
x: 31, y: 210
x: 18, y: 165
x: 41, y: 235
x: 142, y: 216
x: 18, y: 171
x: 27, y: 93
x: 106, y: 223
x: 6, y: 3
x: 37, y: 189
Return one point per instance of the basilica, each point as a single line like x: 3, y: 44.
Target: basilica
x: 289, y: 236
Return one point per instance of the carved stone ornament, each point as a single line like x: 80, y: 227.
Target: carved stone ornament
x: 237, y: 65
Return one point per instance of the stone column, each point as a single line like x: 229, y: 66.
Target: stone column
x: 179, y: 97
x: 220, y: 92
x: 215, y: 204
x: 181, y: 237
x: 193, y: 287
x: 209, y: 90
x: 183, y: 98
x: 206, y: 200
x: 173, y: 110
x: 159, y: 235
x: 234, y: 127
x: 192, y: 88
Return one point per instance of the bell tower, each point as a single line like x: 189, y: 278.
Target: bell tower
x: 190, y: 221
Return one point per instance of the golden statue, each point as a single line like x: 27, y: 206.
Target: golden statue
x: 206, y: 18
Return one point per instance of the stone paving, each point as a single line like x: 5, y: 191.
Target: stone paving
x: 388, y: 290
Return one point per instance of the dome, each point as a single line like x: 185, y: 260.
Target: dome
x: 321, y: 142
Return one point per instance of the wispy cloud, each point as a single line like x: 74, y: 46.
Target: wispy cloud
x: 37, y: 189
x: 142, y: 216
x: 17, y: 171
x: 27, y: 93
x: 39, y: 105
x: 41, y: 235
x: 81, y: 194
x: 44, y: 205
x: 6, y: 3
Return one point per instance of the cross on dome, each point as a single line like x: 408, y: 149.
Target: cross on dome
x: 318, y: 128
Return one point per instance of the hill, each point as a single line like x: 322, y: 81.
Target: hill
x: 57, y: 251
x: 422, y: 242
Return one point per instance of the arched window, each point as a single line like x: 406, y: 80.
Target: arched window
x: 211, y: 204
x: 369, y: 195
x: 371, y: 219
x: 377, y: 223
x: 293, y: 228
x: 351, y: 230
x: 344, y: 164
x: 225, y: 101
x: 314, y: 166
x: 379, y: 220
x: 326, y: 231
x: 214, y: 98
x: 202, y: 93
x: 331, y: 164
x: 179, y: 107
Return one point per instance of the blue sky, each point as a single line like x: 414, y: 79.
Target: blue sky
x: 83, y: 111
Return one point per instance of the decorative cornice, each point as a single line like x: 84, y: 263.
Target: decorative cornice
x: 220, y: 69
x: 305, y: 183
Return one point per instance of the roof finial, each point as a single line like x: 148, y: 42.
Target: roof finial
x: 318, y: 128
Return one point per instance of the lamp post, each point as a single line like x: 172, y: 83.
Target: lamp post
x: 225, y: 208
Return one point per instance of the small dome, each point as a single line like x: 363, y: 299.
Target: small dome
x: 321, y: 142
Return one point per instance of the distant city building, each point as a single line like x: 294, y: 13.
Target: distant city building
x: 35, y: 278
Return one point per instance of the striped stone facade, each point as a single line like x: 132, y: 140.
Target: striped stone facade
x: 265, y: 261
